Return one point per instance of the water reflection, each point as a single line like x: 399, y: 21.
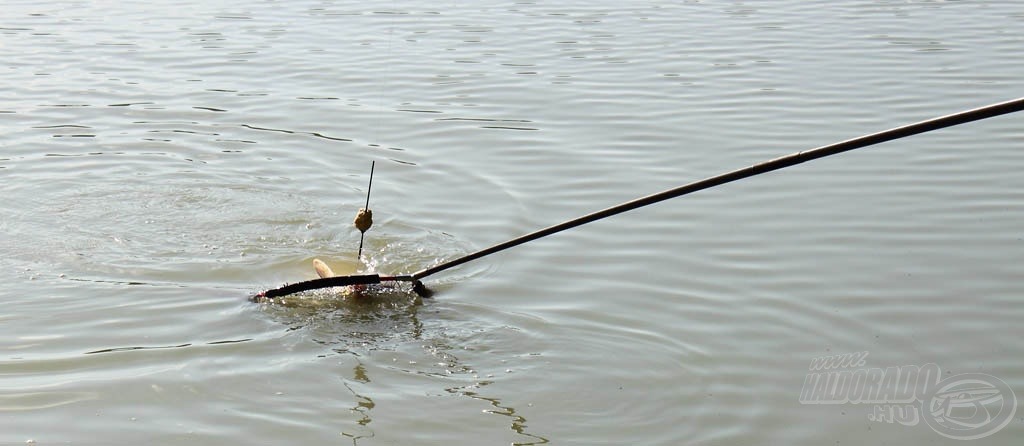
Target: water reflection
x: 364, y: 405
x: 518, y: 421
x: 389, y: 320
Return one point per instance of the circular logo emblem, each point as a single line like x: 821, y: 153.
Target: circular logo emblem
x: 969, y: 406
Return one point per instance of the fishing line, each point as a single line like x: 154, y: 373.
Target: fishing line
x: 364, y: 219
x: 792, y: 159
x: 387, y: 75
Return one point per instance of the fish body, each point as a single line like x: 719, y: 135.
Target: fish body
x: 325, y: 271
x: 322, y: 269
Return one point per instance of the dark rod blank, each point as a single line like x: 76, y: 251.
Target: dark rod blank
x: 963, y: 117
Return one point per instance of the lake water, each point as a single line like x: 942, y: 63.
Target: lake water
x: 160, y: 162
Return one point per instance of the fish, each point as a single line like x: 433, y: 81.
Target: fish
x: 324, y: 271
x: 365, y: 297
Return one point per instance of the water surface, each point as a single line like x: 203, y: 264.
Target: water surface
x: 161, y: 162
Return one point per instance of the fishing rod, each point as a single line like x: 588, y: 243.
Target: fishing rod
x: 792, y: 159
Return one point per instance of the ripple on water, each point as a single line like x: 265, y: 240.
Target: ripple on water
x: 187, y: 230
x: 159, y: 167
